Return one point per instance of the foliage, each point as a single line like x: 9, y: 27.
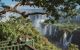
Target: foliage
x: 14, y: 27
x: 73, y: 47
x: 52, y: 7
x: 67, y: 26
x: 49, y: 21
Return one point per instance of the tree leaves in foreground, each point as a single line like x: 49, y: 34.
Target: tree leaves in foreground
x: 51, y: 6
x: 14, y: 27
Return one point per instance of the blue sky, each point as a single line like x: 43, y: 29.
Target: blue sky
x: 21, y: 8
x: 7, y: 2
x: 12, y: 3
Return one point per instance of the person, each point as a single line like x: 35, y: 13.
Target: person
x: 19, y: 40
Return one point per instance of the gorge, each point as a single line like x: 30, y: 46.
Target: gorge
x: 53, y: 33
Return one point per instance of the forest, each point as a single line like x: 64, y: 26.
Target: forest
x: 39, y: 24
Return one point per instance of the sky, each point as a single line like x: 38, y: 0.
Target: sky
x: 6, y: 16
x: 21, y: 8
x: 13, y: 3
x: 8, y: 2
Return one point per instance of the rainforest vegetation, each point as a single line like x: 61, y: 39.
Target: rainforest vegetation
x: 66, y: 9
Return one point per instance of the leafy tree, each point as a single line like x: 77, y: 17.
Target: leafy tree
x: 15, y: 27
x: 51, y: 9
x: 49, y: 6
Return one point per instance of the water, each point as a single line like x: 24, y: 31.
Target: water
x: 37, y: 21
x: 66, y: 41
x: 48, y: 30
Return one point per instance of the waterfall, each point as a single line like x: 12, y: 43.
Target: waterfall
x: 45, y: 29
x: 37, y: 21
x: 66, y: 41
x: 50, y: 30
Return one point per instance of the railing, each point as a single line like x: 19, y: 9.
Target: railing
x: 2, y: 42
x: 17, y: 47
x: 12, y: 47
x: 28, y: 45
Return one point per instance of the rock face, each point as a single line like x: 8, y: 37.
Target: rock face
x: 61, y: 38
x: 64, y: 39
x: 76, y: 37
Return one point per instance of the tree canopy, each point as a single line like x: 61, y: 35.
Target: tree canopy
x: 56, y: 8
x: 49, y: 5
